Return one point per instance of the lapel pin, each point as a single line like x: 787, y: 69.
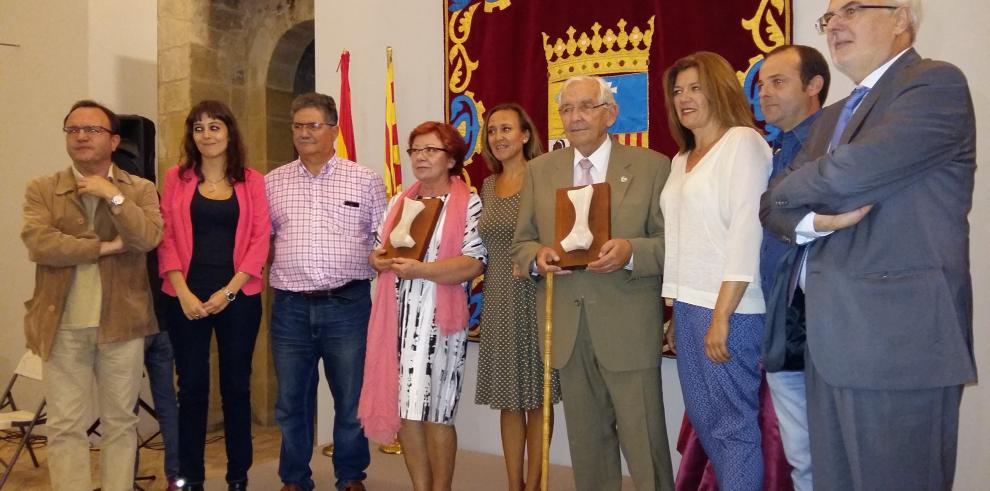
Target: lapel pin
x: 624, y: 179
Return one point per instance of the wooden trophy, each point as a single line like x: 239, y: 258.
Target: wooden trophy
x: 582, y: 224
x: 414, y: 228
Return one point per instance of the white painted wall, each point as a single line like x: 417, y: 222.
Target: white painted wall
x: 37, y: 86
x: 69, y: 50
x: 123, y: 56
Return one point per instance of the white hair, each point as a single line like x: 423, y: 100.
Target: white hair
x: 604, y: 90
x: 915, y: 11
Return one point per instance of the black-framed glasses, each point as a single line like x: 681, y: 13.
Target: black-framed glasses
x: 847, y: 12
x: 427, y: 151
x: 584, y: 109
x: 311, y: 126
x: 89, y: 130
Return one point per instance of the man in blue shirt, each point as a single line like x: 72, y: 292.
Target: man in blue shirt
x: 793, y: 83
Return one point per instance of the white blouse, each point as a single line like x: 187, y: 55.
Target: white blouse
x: 712, y: 224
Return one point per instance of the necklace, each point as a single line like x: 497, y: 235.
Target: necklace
x: 213, y: 184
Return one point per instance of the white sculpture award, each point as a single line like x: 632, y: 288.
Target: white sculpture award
x: 400, y: 236
x: 580, y: 236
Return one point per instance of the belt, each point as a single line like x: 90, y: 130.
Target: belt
x: 324, y: 294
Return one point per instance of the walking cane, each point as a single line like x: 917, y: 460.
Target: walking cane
x: 547, y: 407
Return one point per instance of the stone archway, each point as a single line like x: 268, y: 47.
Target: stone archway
x: 284, y: 71
x: 226, y: 50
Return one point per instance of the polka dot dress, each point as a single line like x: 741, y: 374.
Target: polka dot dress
x: 510, y: 370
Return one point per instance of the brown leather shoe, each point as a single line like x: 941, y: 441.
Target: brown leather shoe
x: 292, y: 487
x: 353, y: 486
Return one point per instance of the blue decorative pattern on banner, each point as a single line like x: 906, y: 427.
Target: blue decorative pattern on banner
x: 631, y: 95
x: 464, y: 111
x: 752, y: 92
x: 456, y: 5
x: 474, y: 307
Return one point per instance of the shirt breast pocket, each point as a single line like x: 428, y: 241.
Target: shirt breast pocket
x: 347, y: 218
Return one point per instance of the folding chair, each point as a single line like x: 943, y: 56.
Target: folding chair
x: 13, y: 418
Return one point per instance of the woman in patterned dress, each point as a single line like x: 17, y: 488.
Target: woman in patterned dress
x: 712, y: 232
x: 510, y: 370
x: 417, y: 337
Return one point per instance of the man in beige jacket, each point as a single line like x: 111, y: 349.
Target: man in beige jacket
x: 88, y: 228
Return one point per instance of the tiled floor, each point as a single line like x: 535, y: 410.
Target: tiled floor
x: 474, y: 471
x: 27, y: 478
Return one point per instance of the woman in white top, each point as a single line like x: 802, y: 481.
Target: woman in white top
x: 711, y: 266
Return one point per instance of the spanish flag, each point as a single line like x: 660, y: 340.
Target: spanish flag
x: 345, y: 136
x: 393, y: 167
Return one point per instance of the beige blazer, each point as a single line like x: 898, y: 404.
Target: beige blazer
x: 56, y: 233
x: 623, y: 307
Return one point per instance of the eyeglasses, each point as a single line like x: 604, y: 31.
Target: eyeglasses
x: 311, y: 126
x: 427, y: 151
x: 89, y: 130
x: 847, y: 12
x: 583, y: 109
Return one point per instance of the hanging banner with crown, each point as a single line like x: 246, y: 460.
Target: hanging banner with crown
x: 621, y: 58
x: 515, y: 51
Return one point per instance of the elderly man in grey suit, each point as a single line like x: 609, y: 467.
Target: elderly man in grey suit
x: 607, y: 318
x: 886, y: 278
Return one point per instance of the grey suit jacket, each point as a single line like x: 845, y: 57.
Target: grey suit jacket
x: 622, y: 307
x: 889, y: 300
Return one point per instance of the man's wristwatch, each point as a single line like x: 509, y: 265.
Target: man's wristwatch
x: 231, y: 296
x: 117, y: 199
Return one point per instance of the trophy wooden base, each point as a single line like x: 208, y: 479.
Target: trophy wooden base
x: 599, y: 221
x: 421, y: 231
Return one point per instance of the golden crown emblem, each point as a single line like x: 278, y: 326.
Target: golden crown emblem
x: 599, y: 54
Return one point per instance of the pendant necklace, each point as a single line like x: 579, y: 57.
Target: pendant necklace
x: 213, y: 184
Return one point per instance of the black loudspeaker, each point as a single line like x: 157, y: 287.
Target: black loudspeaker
x: 136, y: 155
x: 136, y: 152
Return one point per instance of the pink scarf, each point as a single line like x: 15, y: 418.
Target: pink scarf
x: 378, y: 408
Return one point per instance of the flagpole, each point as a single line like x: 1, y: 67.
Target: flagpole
x: 547, y: 403
x: 392, y: 176
x: 393, y: 169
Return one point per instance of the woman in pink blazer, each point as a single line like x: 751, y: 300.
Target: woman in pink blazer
x: 211, y: 258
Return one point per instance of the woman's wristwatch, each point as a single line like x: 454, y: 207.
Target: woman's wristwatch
x: 231, y: 296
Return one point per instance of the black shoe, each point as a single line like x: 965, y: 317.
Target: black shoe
x: 237, y: 486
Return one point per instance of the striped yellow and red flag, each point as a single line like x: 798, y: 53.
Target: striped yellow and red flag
x: 346, y: 148
x: 393, y: 167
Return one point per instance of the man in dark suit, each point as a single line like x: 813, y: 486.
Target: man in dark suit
x: 607, y: 318
x: 886, y: 279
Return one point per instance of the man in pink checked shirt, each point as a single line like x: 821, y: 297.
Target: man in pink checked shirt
x: 325, y: 211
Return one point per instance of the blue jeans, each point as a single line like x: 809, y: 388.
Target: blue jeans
x: 304, y: 331
x: 787, y: 389
x: 160, y: 365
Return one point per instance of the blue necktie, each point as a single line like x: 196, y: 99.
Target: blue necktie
x: 847, y: 111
